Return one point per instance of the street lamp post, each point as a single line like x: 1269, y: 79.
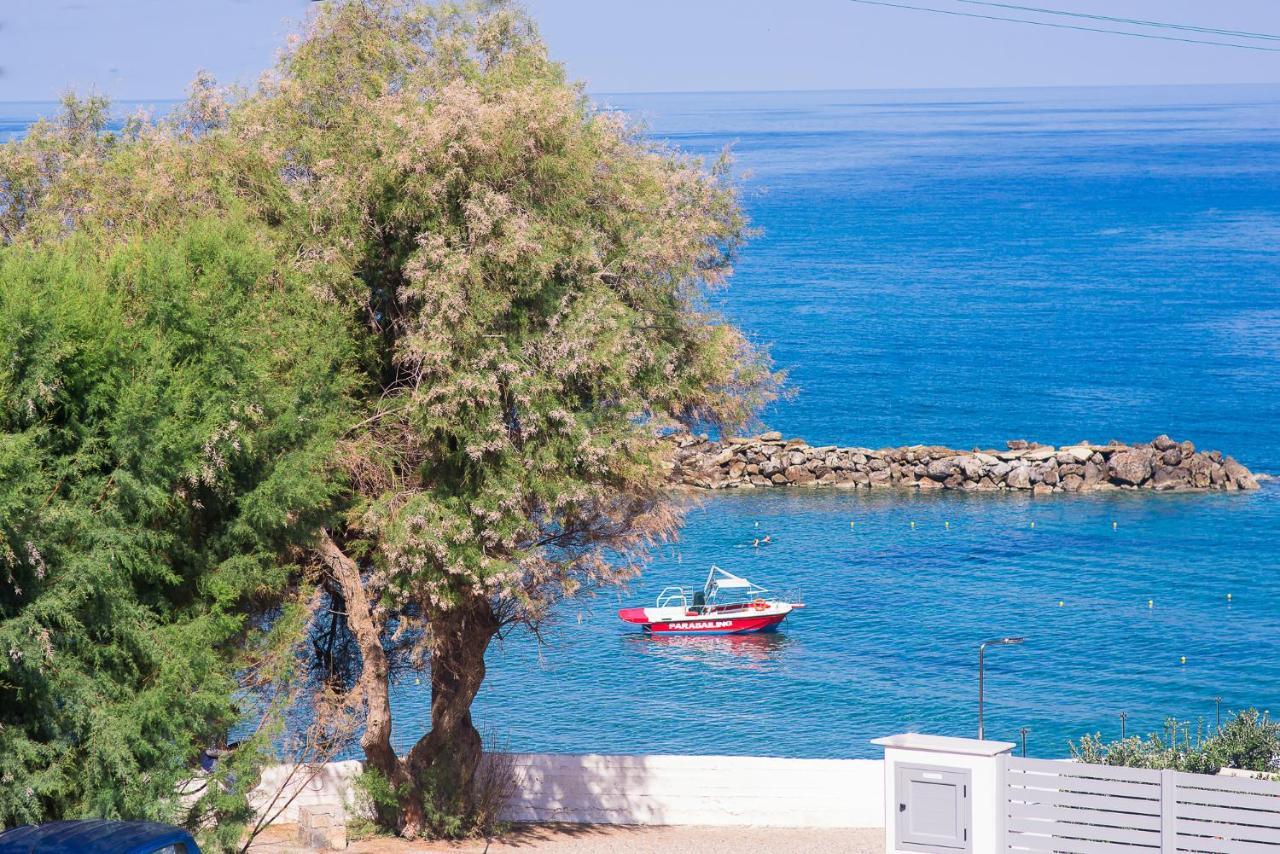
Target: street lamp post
x: 982, y: 650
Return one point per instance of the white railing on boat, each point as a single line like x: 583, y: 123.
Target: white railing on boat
x: 672, y: 596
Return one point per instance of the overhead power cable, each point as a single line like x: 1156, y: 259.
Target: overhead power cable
x: 1058, y: 26
x: 1215, y: 31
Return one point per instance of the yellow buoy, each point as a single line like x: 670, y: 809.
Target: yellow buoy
x: 1151, y: 603
x: 913, y: 526
x: 1033, y: 524
x: 1061, y: 603
x: 948, y: 526
x: 851, y: 524
x: 1113, y: 526
x: 1228, y: 597
x: 1182, y: 660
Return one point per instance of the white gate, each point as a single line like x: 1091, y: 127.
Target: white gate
x: 1075, y: 808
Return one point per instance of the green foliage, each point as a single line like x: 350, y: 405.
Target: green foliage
x: 1247, y: 741
x: 167, y: 416
x: 413, y: 297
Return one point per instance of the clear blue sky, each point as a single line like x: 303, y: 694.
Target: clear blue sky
x: 149, y: 49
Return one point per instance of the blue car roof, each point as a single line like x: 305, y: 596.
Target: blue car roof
x: 94, y: 836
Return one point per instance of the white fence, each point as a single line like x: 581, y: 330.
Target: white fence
x: 1078, y: 808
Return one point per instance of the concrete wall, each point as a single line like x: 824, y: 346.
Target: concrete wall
x: 285, y: 788
x: 698, y: 790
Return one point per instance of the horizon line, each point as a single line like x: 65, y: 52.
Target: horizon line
x: 1274, y: 84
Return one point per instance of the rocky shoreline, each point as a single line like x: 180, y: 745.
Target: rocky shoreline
x: 769, y: 460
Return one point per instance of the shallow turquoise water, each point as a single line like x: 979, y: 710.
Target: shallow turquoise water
x: 964, y: 268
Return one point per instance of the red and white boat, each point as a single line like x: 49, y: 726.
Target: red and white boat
x: 726, y: 605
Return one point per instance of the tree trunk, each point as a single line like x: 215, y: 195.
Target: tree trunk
x: 375, y: 685
x: 449, y: 755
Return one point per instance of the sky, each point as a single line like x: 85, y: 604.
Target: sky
x: 150, y: 49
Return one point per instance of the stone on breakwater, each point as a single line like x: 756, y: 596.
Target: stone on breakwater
x: 769, y: 460
x: 1131, y: 467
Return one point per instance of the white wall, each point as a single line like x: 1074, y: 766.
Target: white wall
x: 697, y: 790
x: 329, y: 787
x: 700, y: 790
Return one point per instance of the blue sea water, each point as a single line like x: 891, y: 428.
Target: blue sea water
x: 966, y: 267
x: 962, y: 267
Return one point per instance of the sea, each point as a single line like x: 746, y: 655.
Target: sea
x: 960, y: 267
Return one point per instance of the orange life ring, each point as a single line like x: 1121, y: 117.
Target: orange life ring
x: 760, y: 605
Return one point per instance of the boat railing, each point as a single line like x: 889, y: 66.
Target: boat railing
x: 672, y: 596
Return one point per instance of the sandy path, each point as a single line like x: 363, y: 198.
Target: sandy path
x: 615, y: 839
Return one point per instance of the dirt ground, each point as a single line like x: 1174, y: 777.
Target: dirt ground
x: 615, y: 839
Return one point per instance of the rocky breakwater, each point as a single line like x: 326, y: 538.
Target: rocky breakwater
x: 770, y: 460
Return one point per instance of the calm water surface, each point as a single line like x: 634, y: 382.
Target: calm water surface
x: 963, y: 267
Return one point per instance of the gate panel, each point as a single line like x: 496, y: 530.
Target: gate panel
x: 1226, y: 814
x: 1081, y: 809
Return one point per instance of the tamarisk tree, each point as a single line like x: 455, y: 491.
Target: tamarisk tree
x: 522, y: 284
x: 533, y: 274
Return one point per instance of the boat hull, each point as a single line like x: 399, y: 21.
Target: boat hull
x: 713, y: 625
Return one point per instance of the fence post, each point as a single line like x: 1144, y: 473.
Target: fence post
x: 1168, y: 812
x: 1002, y: 803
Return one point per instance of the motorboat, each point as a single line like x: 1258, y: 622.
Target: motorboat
x: 727, y: 604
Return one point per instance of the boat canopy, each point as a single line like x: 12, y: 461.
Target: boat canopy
x: 721, y: 579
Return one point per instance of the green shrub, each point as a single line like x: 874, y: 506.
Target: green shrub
x: 1247, y: 741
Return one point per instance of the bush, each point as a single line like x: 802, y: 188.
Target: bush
x: 1247, y: 741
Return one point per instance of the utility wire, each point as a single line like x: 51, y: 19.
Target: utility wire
x: 1078, y: 27
x: 1244, y: 34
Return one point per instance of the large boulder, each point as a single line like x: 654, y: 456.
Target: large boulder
x: 1019, y: 477
x: 1239, y: 475
x: 1132, y: 467
x: 721, y: 458
x: 970, y: 466
x: 1170, y: 477
x: 1076, y: 453
x: 799, y: 475
x: 941, y: 469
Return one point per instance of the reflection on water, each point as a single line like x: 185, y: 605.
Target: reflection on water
x: 722, y: 652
